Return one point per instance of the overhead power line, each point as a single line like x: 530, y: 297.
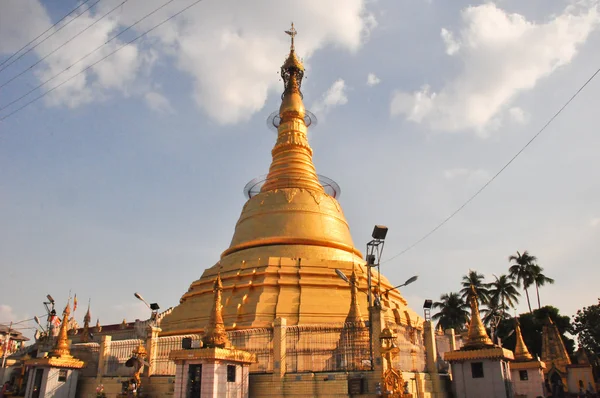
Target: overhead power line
x: 84, y: 57
x: 47, y: 37
x: 43, y: 33
x: 428, y: 234
x: 62, y: 45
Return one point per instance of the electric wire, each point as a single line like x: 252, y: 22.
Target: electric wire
x: 47, y: 37
x: 62, y: 45
x: 428, y: 234
x: 84, y: 57
x: 43, y: 33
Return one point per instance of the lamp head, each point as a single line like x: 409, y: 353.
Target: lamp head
x: 342, y: 275
x: 428, y: 304
x: 49, y: 297
x: 411, y: 280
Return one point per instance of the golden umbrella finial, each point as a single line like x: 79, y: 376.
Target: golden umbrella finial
x: 292, y: 32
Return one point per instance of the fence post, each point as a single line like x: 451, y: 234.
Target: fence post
x: 103, y: 353
x: 279, y: 347
x: 151, y: 350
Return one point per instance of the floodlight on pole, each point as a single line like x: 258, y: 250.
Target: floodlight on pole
x: 50, y: 299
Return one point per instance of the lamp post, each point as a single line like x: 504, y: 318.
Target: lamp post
x: 373, y: 257
x: 153, y: 307
x: 343, y: 276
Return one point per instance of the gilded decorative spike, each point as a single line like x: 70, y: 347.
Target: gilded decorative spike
x: 477, y: 336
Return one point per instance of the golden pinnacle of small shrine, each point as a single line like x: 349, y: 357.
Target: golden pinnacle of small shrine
x: 477, y: 336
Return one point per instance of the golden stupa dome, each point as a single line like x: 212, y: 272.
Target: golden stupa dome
x: 290, y: 238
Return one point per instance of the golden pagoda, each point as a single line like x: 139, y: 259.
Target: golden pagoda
x: 289, y: 239
x: 554, y: 353
x: 60, y: 356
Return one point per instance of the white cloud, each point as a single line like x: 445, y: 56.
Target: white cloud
x: 6, y: 314
x: 225, y: 47
x: 595, y: 222
x: 452, y: 46
x: 518, y: 115
x: 373, y: 80
x: 503, y: 54
x: 470, y: 174
x: 158, y: 102
x: 334, y: 96
x: 20, y: 22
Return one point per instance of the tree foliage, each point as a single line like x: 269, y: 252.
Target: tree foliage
x: 453, y: 312
x: 586, y: 324
x: 531, y: 329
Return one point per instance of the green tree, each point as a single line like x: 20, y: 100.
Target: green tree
x: 481, y: 288
x: 586, y: 324
x: 539, y: 279
x: 453, y: 312
x: 503, y: 292
x: 531, y: 329
x: 522, y: 271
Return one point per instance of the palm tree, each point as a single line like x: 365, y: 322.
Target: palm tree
x: 482, y: 289
x: 453, y: 311
x: 503, y: 291
x: 539, y: 279
x: 522, y: 271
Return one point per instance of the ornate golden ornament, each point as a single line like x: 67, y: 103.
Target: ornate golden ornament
x: 289, y: 194
x: 215, y: 334
x: 477, y: 336
x: 521, y: 351
x: 393, y: 382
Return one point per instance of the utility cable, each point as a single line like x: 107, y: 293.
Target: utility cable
x: 62, y: 45
x: 84, y: 57
x: 47, y: 37
x: 43, y: 33
x: 428, y: 234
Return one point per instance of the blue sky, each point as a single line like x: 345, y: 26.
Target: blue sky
x: 129, y: 177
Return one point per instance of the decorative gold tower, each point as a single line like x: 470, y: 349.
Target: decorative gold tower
x: 477, y: 336
x: 289, y: 239
x: 60, y: 356
x: 521, y: 351
x: 86, y: 325
x: 554, y: 353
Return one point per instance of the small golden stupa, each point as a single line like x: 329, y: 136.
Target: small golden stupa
x: 289, y: 239
x: 60, y: 356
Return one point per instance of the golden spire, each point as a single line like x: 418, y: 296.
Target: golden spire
x: 98, y: 326
x: 86, y: 325
x: 215, y: 334
x: 477, y: 336
x: 354, y: 315
x: 62, y: 344
x: 521, y: 351
x: 292, y: 165
x: 554, y: 352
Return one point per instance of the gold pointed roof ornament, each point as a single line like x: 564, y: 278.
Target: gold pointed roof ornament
x: 292, y: 165
x: 215, y: 334
x: 521, y: 351
x: 62, y: 344
x: 60, y: 356
x: 86, y: 325
x: 477, y: 336
x: 354, y: 315
x: 98, y: 326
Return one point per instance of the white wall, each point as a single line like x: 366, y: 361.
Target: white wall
x: 531, y: 388
x: 491, y: 385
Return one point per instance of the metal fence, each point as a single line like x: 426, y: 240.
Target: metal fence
x: 326, y: 348
x: 120, y: 352
x: 164, y: 345
x: 89, y: 353
x: 256, y: 341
